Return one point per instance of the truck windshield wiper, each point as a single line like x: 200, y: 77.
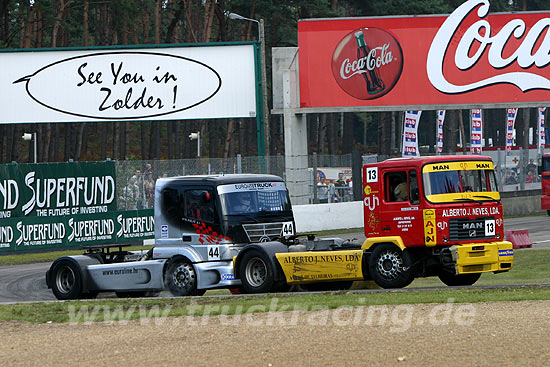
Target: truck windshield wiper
x: 466, y: 200
x: 486, y: 197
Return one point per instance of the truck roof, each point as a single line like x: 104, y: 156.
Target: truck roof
x: 221, y: 179
x: 419, y: 161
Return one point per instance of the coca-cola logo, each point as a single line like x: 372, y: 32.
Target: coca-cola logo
x: 463, y: 46
x: 367, y: 63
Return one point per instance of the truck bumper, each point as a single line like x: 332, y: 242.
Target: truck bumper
x: 482, y: 257
x: 545, y: 202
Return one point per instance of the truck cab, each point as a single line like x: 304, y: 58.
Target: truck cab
x: 441, y: 216
x: 203, y: 222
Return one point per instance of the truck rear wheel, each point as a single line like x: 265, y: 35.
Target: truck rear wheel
x: 181, y: 280
x: 390, y: 267
x: 454, y: 280
x: 256, y: 272
x: 66, y: 280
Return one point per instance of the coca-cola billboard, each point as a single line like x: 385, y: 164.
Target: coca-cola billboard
x: 468, y: 58
x: 367, y: 63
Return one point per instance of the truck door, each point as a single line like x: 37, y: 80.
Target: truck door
x: 401, y: 214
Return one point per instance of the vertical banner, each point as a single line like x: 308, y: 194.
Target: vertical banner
x: 440, y: 120
x: 410, y: 136
x: 476, y: 130
x: 542, y: 133
x: 511, y: 114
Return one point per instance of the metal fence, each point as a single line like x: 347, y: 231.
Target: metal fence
x: 136, y: 179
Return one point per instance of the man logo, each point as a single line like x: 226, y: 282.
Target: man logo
x: 264, y: 238
x: 472, y: 233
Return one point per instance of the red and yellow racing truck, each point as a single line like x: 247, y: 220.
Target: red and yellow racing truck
x: 433, y: 216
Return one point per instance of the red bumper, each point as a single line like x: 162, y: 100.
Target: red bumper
x: 545, y: 202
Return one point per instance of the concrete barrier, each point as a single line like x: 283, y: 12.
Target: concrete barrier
x: 518, y: 203
x: 321, y: 217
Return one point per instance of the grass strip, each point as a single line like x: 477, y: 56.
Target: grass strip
x: 132, y: 309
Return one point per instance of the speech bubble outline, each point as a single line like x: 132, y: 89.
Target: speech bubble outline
x: 28, y: 78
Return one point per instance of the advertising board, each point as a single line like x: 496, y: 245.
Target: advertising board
x: 468, y: 58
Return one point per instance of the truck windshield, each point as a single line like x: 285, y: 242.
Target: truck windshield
x: 442, y: 183
x: 252, y: 198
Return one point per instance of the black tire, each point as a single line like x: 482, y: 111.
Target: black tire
x: 66, y: 280
x: 256, y: 272
x: 342, y: 285
x: 548, y: 211
x: 90, y: 295
x: 453, y: 280
x: 390, y: 267
x: 180, y: 279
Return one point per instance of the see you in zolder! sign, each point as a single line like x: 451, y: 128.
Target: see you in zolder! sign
x: 468, y: 57
x: 128, y: 84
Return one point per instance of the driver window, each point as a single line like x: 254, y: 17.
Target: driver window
x: 396, y: 182
x: 414, y: 193
x: 199, y: 205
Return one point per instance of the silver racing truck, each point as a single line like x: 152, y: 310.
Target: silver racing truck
x: 222, y: 231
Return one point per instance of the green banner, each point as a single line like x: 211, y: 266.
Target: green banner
x: 57, y: 189
x: 56, y: 205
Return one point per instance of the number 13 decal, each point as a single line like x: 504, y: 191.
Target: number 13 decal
x: 372, y: 174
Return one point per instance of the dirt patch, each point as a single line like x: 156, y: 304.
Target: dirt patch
x: 505, y: 333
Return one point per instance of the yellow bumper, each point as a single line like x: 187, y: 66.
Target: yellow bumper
x: 483, y: 257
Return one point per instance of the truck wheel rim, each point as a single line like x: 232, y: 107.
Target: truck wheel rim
x: 389, y: 264
x: 65, y: 279
x: 256, y: 272
x: 184, y: 276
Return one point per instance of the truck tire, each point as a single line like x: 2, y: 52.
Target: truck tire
x: 453, y: 280
x: 66, y: 280
x: 256, y: 272
x: 181, y: 280
x: 548, y: 211
x: 342, y: 285
x: 390, y: 267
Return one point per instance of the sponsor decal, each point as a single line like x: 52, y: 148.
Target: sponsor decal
x: 430, y: 232
x: 228, y: 276
x: 367, y: 62
x: 508, y: 252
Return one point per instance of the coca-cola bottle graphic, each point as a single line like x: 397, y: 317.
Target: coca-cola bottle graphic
x: 375, y: 84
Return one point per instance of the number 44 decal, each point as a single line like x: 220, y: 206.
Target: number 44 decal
x: 213, y: 252
x: 288, y: 229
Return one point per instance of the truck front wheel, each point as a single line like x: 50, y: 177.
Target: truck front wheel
x: 66, y: 280
x: 256, y: 272
x: 181, y: 280
x: 454, y: 280
x: 390, y: 267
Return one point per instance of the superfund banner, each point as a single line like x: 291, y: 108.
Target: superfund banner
x: 128, y: 84
x: 468, y: 57
x: 54, y: 205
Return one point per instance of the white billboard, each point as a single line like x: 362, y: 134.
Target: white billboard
x: 127, y: 84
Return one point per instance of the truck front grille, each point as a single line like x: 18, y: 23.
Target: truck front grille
x: 461, y: 229
x: 263, y: 232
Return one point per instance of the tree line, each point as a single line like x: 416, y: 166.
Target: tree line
x: 87, y: 23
